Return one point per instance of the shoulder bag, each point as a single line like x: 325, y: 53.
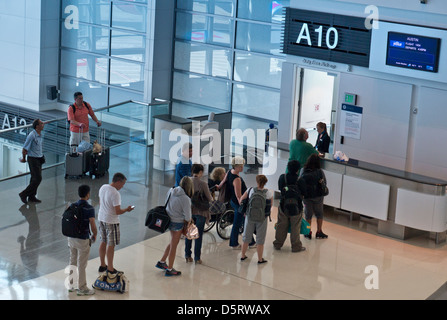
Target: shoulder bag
x: 157, y: 218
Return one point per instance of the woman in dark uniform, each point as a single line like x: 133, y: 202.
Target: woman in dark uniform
x: 323, y: 140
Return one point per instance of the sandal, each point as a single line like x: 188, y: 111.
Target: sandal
x: 243, y: 258
x: 262, y: 261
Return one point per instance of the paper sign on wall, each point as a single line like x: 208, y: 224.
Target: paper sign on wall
x: 351, y: 121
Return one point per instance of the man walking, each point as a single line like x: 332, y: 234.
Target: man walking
x: 33, y: 149
x: 77, y: 115
x: 109, y: 228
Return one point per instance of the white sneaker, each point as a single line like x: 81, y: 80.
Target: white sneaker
x: 86, y: 292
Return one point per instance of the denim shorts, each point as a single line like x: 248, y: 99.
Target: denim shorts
x: 176, y: 226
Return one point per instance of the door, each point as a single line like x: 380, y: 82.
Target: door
x: 316, y: 101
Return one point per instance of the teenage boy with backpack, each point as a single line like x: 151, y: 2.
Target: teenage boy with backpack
x: 80, y: 246
x: 290, y: 210
x: 258, y: 209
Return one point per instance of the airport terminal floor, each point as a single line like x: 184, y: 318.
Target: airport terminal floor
x: 34, y: 253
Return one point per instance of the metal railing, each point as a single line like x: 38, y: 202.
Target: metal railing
x: 129, y: 121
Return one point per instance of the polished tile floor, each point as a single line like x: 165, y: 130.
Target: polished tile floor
x: 34, y: 253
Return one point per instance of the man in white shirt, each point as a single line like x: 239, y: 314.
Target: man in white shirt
x: 108, y: 216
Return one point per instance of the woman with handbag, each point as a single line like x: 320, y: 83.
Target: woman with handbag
x: 312, y: 184
x: 200, y: 212
x: 179, y: 211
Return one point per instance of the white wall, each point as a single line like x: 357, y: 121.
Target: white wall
x: 29, y: 31
x: 385, y: 121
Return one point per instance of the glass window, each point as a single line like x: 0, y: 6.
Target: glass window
x: 262, y: 10
x: 219, y: 7
x: 119, y: 95
x: 198, y: 58
x: 258, y: 69
x: 258, y: 37
x: 127, y: 74
x: 254, y: 101
x: 87, y: 38
x: 93, y: 93
x: 84, y: 65
x: 89, y: 11
x: 129, y: 16
x: 128, y: 45
x: 187, y: 110
x: 202, y: 90
x: 199, y: 28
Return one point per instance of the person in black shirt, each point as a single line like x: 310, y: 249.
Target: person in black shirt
x: 236, y: 187
x: 289, y: 216
x: 323, y: 140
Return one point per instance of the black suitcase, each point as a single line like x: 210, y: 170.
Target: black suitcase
x: 100, y: 162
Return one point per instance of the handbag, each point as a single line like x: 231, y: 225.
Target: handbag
x: 322, y: 185
x: 244, y: 204
x: 217, y: 207
x: 158, y: 219
x: 192, y: 232
x: 305, y: 227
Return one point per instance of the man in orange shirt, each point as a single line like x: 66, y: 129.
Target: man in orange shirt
x: 77, y: 115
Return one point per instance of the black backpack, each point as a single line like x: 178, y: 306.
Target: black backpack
x: 73, y: 224
x: 291, y: 198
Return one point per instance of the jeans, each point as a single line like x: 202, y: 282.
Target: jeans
x: 237, y: 223
x: 200, y: 223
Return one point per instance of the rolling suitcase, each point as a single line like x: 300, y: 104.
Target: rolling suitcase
x: 74, y: 163
x: 77, y: 163
x: 100, y: 161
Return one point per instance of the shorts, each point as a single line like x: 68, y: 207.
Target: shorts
x: 250, y: 228
x: 176, y: 226
x: 109, y: 233
x: 313, y: 207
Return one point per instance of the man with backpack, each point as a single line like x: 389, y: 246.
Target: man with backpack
x: 77, y: 116
x: 79, y: 219
x: 258, y: 209
x: 290, y: 210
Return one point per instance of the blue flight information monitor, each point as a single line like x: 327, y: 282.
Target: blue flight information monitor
x: 413, y: 52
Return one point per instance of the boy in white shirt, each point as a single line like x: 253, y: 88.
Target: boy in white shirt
x: 108, y: 216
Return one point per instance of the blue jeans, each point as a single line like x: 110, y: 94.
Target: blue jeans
x: 200, y: 223
x: 238, y: 222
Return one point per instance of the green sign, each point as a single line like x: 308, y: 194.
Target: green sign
x: 351, y: 98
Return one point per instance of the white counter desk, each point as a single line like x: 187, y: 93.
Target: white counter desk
x: 401, y: 201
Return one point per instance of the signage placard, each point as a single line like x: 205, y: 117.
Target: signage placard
x: 351, y: 121
x: 326, y: 36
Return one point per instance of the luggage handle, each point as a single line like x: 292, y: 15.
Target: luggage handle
x: 101, y: 137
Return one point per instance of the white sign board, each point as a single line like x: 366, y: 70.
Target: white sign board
x: 351, y: 121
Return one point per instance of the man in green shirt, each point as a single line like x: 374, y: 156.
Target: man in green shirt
x: 299, y: 149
